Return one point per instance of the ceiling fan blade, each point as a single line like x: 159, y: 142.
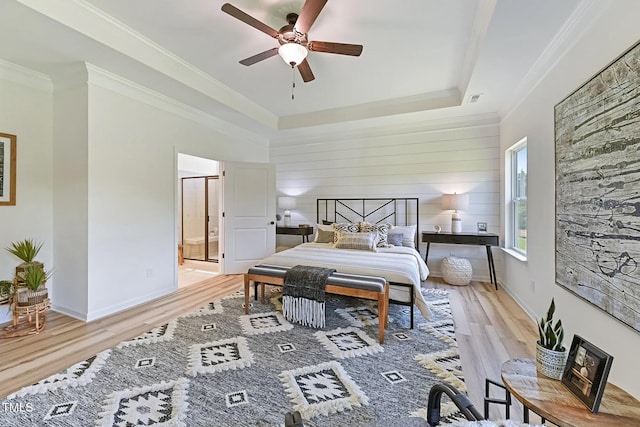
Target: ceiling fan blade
x: 247, y: 19
x: 305, y: 71
x: 339, y: 48
x: 259, y: 57
x: 308, y: 15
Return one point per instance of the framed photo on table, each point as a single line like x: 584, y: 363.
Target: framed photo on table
x: 586, y: 372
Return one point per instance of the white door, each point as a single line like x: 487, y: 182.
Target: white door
x: 249, y: 212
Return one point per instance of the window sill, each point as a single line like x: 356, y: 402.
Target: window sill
x: 516, y: 255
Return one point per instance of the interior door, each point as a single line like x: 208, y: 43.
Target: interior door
x: 249, y: 211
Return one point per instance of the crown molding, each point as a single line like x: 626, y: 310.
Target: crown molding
x: 81, y: 75
x: 373, y: 129
x: 390, y: 107
x: 580, y: 21
x: 478, y: 34
x: 122, y: 86
x: 25, y: 76
x: 89, y: 20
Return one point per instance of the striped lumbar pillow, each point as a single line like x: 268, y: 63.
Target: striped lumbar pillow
x: 361, y: 241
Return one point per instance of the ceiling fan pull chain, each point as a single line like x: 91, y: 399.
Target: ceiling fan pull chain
x: 293, y: 81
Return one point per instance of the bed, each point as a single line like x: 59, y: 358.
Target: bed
x: 401, y: 264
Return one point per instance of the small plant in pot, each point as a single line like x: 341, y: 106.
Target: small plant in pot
x: 26, y: 250
x: 551, y: 355
x: 34, y: 278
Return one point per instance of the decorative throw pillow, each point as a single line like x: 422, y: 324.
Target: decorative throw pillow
x: 394, y: 239
x: 345, y: 226
x: 381, y: 229
x: 325, y: 236
x: 408, y: 233
x: 361, y: 241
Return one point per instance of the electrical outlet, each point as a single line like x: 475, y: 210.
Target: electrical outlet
x: 149, y: 273
x: 533, y: 285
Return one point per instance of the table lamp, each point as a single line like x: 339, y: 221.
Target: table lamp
x: 455, y: 202
x: 287, y: 203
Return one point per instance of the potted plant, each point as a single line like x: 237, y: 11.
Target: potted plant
x: 551, y: 355
x: 6, y: 291
x: 26, y: 250
x: 34, y: 278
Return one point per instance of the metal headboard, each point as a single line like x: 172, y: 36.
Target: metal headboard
x: 396, y: 211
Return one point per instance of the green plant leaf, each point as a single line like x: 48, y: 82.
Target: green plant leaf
x: 35, y: 276
x: 26, y: 249
x: 551, y: 336
x: 552, y: 310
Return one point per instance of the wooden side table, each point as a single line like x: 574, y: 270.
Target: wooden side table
x: 305, y: 232
x: 550, y: 399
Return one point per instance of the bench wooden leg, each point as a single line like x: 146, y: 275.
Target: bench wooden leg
x: 383, y: 312
x: 386, y: 311
x: 262, y: 286
x: 381, y: 317
x: 246, y: 293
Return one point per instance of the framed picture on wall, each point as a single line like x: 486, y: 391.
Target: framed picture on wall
x: 586, y: 372
x: 7, y: 169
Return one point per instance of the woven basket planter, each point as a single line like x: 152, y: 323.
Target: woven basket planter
x: 456, y: 271
x: 27, y: 297
x: 550, y: 363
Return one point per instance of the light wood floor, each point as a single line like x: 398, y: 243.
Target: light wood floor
x: 192, y: 271
x: 490, y: 327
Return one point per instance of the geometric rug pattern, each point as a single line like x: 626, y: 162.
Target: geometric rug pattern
x: 217, y: 366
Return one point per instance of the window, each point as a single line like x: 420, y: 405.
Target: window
x: 516, y: 228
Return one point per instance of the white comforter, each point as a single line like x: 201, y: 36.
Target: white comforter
x: 397, y: 265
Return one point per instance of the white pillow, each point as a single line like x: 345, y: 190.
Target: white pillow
x: 361, y: 241
x: 408, y: 234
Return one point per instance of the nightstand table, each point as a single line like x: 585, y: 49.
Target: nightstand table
x: 482, y: 239
x: 305, y: 232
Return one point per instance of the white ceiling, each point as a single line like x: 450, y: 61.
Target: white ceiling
x: 419, y: 55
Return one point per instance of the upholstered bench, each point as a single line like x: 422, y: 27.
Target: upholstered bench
x: 353, y: 285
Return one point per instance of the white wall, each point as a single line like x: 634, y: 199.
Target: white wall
x: 423, y: 160
x: 133, y: 150
x: 71, y: 200
x: 533, y: 282
x: 106, y: 201
x: 26, y: 111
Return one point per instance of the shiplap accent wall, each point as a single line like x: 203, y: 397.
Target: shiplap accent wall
x: 422, y: 162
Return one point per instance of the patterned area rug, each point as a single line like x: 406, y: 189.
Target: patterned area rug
x: 219, y: 367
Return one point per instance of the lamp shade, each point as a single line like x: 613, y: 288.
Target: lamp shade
x: 293, y: 53
x: 286, y: 202
x: 455, y: 202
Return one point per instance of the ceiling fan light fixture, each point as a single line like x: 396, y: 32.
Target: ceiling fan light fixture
x: 293, y: 53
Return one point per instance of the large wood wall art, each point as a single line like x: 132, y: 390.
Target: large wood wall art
x: 597, y: 141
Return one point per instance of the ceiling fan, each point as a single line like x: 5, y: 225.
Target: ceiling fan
x: 294, y: 44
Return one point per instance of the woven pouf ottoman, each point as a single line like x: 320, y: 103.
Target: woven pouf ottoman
x: 456, y: 271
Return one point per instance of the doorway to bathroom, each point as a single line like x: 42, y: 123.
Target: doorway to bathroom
x: 200, y: 218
